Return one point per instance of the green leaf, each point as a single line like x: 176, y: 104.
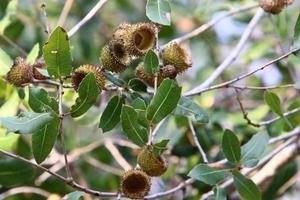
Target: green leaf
x: 57, y: 53
x: 246, y: 187
x: 5, y: 62
x: 219, y: 194
x: 75, y: 195
x: 208, y: 174
x: 151, y: 63
x: 40, y: 101
x: 87, y: 95
x: 231, y: 146
x: 14, y: 172
x: 8, y: 142
x: 130, y: 125
x: 113, y: 79
x: 254, y: 148
x: 140, y: 107
x: 159, y: 11
x: 11, y: 106
x: 33, y: 54
x: 9, y: 14
x: 187, y: 107
x: 26, y: 122
x: 44, y: 139
x: 164, y: 102
x: 296, y: 41
x: 273, y: 101
x: 111, y: 114
x: 137, y: 85
x: 160, y: 147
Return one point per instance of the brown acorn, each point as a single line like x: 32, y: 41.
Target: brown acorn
x: 273, y: 6
x: 39, y: 64
x: 147, y: 78
x: 114, y: 57
x: 137, y: 38
x: 20, y: 73
x: 175, y: 55
x: 150, y: 164
x: 135, y: 184
x: 83, y: 70
x: 168, y: 71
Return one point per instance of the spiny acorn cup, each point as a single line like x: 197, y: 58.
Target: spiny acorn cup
x: 147, y: 78
x: 20, y: 73
x: 83, y: 70
x: 150, y: 164
x: 114, y: 57
x: 39, y: 64
x: 274, y: 6
x: 168, y: 71
x: 135, y: 184
x: 137, y: 38
x: 175, y: 55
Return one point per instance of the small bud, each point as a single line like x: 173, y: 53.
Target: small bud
x: 135, y: 184
x: 149, y: 164
x: 83, y: 70
x: 168, y: 71
x: 20, y: 73
x: 137, y: 38
x: 274, y: 6
x: 114, y: 57
x: 149, y: 79
x: 175, y: 55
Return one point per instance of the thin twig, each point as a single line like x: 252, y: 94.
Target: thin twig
x: 245, y: 114
x: 234, y: 54
x: 203, y: 155
x: 260, y: 88
x: 14, y: 45
x: 61, y: 115
x: 89, y: 16
x: 50, y: 82
x: 45, y: 20
x: 228, y: 83
x: 156, y: 129
x: 286, y: 114
x: 64, y: 13
x: 100, y: 165
x: 24, y: 190
x: 210, y: 24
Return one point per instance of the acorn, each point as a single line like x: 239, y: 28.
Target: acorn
x: 150, y: 164
x: 147, y: 78
x: 273, y: 6
x: 168, y: 71
x: 175, y: 55
x: 114, y: 57
x: 83, y: 70
x: 137, y: 38
x: 39, y: 64
x: 20, y: 73
x: 135, y: 184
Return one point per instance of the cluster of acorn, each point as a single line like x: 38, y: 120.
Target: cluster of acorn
x: 274, y: 6
x: 136, y: 183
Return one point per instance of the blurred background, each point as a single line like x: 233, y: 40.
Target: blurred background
x: 93, y: 154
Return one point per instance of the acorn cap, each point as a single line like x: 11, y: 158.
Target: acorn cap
x: 114, y: 57
x: 137, y: 38
x: 175, y: 55
x: 83, y: 70
x: 39, y: 64
x: 20, y: 73
x: 149, y: 79
x: 151, y: 165
x: 273, y: 6
x: 135, y: 184
x: 168, y: 71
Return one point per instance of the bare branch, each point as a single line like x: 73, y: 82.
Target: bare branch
x: 203, y: 155
x: 64, y: 13
x: 45, y: 20
x: 24, y: 190
x: 89, y: 16
x: 234, y: 54
x: 14, y: 45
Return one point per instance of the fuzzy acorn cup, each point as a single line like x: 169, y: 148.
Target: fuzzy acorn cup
x: 135, y: 184
x: 136, y: 38
x: 83, y: 70
x: 20, y: 73
x: 176, y: 56
x: 153, y: 166
x: 274, y: 6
